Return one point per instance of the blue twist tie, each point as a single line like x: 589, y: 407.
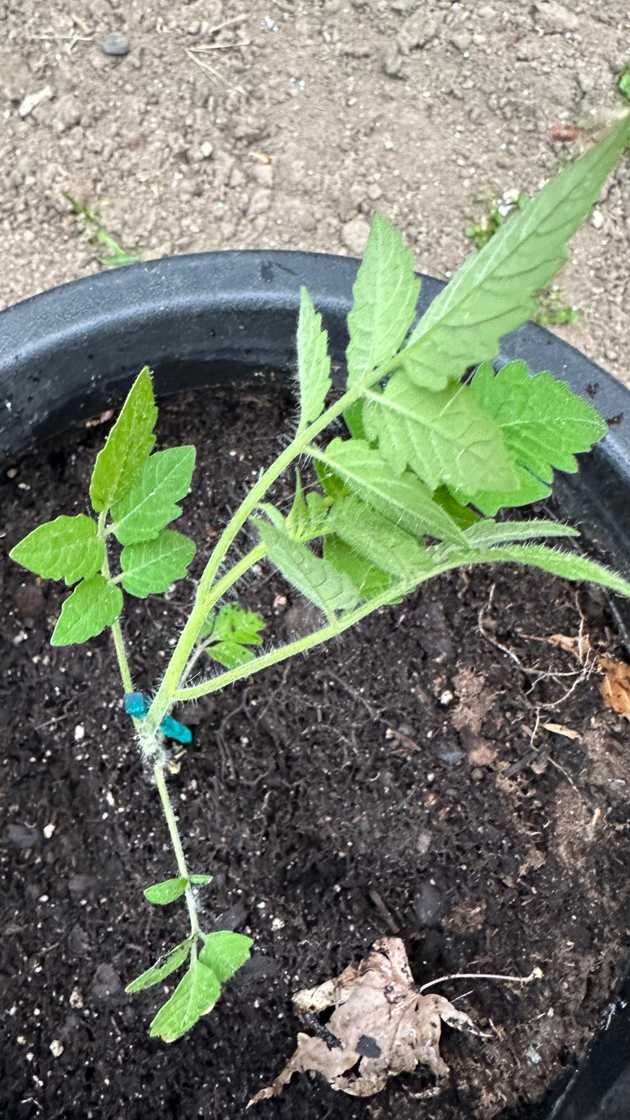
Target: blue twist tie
x: 136, y: 706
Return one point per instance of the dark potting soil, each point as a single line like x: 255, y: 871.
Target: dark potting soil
x: 401, y: 781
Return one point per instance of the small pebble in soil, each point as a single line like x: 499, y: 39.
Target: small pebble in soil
x: 79, y: 733
x: 115, y: 45
x: 48, y: 830
x: 56, y: 1048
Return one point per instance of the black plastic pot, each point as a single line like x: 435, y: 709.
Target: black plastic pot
x: 213, y: 317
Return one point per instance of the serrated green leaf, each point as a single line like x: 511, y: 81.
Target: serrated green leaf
x: 369, y: 580
x: 67, y: 548
x: 162, y: 968
x: 404, y: 499
x: 234, y: 623
x: 568, y: 565
x: 238, y: 624
x: 485, y: 533
x: 385, y: 296
x: 353, y: 419
x: 444, y: 437
x: 327, y: 588
x: 229, y: 654
x: 313, y: 361
x: 151, y: 567
x: 194, y: 996
x: 375, y: 537
x: 494, y: 291
x: 544, y: 424
x: 160, y: 894
x: 93, y: 605
x: 225, y: 952
x: 151, y: 503
x: 128, y: 445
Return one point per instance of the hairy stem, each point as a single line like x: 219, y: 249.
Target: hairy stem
x: 182, y: 867
x: 204, y: 599
x: 317, y: 637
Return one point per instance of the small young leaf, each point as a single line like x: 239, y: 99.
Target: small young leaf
x: 162, y: 968
x: 229, y: 654
x: 128, y: 445
x: 93, y: 605
x: 194, y: 996
x: 151, y: 567
x: 67, y: 548
x: 151, y: 503
x: 160, y: 894
x: 366, y: 577
x: 404, y: 500
x: 238, y: 624
x: 445, y: 437
x: 544, y: 424
x: 569, y: 565
x: 329, y: 589
x: 313, y: 361
x: 385, y: 297
x: 200, y: 880
x: 485, y: 533
x: 494, y: 290
x: 308, y: 514
x: 376, y: 538
x: 225, y: 952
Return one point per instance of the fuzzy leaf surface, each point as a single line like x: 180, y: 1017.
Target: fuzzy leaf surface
x: 160, y: 894
x: 493, y: 292
x: 403, y: 499
x: 568, y: 565
x: 485, y: 533
x: 385, y: 296
x: 313, y: 360
x: 369, y: 580
x: 314, y: 577
x: 225, y: 952
x: 161, y: 969
x: 93, y: 606
x: 67, y: 548
x: 544, y: 425
x: 151, y: 503
x: 445, y: 437
x: 309, y: 513
x: 194, y: 996
x: 376, y: 538
x: 127, y: 446
x: 151, y: 567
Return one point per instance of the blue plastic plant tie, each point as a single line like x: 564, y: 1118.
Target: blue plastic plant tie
x: 136, y: 706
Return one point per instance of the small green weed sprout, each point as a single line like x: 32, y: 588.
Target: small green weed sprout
x: 116, y: 256
x: 411, y: 490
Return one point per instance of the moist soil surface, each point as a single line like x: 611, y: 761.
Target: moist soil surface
x: 401, y: 781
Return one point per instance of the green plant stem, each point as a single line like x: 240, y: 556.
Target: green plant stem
x: 317, y: 637
x: 182, y: 867
x: 205, y: 598
x: 158, y: 770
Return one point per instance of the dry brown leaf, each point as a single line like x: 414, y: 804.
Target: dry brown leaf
x: 560, y: 729
x: 380, y: 1024
x: 615, y: 687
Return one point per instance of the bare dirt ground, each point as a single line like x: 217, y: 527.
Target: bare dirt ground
x: 303, y: 117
